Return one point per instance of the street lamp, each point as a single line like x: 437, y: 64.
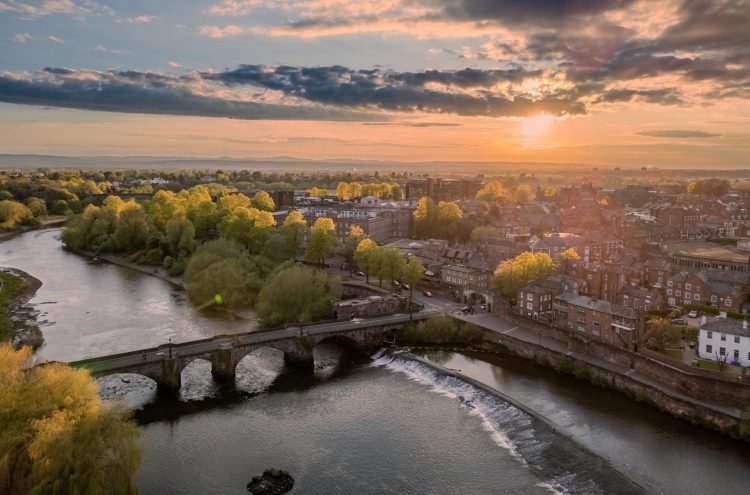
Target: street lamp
x: 170, y: 347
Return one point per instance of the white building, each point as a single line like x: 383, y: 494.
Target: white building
x: 725, y: 338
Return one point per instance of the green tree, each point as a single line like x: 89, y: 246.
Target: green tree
x: 297, y: 294
x: 180, y: 233
x: 365, y: 256
x: 524, y: 194
x: 322, y: 241
x: 515, y: 273
x: 132, y: 227
x: 37, y: 206
x: 661, y: 334
x: 342, y: 191
x: 480, y: 235
x: 317, y: 192
x: 223, y: 267
x: 355, y: 235
x: 263, y: 201
x: 57, y: 437
x: 391, y: 265
x: 425, y: 218
x: 448, y: 220
x: 293, y: 230
x: 412, y: 273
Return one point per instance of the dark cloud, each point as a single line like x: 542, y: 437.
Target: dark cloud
x: 664, y: 96
x: 150, y: 95
x: 678, y: 134
x: 413, y: 124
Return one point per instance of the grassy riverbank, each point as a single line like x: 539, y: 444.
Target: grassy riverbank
x: 12, y: 287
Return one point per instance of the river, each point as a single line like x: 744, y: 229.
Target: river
x: 390, y: 424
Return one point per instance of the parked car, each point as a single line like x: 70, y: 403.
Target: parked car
x: 360, y: 274
x: 679, y: 321
x: 693, y: 314
x: 405, y: 286
x: 427, y: 293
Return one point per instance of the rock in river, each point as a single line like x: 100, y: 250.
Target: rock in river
x: 271, y: 482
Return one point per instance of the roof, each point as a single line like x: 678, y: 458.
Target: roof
x: 727, y: 325
x: 599, y: 305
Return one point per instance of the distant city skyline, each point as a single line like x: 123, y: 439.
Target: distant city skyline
x: 661, y: 83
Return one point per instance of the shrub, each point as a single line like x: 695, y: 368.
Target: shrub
x: 442, y: 330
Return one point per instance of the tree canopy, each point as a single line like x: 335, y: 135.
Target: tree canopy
x: 57, y: 436
x: 297, y: 294
x: 515, y: 273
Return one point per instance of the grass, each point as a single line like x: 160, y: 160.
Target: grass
x: 673, y: 353
x: 705, y: 364
x: 10, y: 286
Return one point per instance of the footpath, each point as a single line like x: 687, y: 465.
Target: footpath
x: 508, y: 328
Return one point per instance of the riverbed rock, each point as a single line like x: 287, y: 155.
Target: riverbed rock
x: 271, y: 482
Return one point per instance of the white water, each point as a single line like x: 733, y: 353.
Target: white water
x: 509, y: 427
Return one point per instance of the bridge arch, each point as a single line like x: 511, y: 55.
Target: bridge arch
x: 196, y: 379
x: 134, y: 389
x: 344, y: 341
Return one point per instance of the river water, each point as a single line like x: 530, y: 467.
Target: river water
x: 390, y: 424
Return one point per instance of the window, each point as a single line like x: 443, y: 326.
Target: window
x: 736, y: 339
x: 713, y: 298
x: 529, y: 297
x: 669, y: 292
x: 669, y: 284
x: 709, y: 334
x: 709, y: 348
x: 736, y: 355
x: 697, y: 297
x: 678, y: 293
x: 728, y: 302
x: 625, y: 303
x: 723, y: 337
x: 687, y: 286
x: 529, y: 306
x: 722, y: 351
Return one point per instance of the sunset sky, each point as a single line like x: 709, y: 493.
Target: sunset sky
x: 609, y: 82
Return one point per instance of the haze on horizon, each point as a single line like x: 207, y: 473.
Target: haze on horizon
x: 664, y: 83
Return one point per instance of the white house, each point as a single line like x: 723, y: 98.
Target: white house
x: 725, y: 338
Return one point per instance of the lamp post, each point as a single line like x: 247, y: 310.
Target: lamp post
x: 170, y: 347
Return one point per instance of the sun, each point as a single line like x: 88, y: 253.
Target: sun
x: 537, y: 125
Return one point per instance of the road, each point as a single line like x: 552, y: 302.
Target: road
x: 145, y: 356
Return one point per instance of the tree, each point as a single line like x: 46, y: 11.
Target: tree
x: 449, y: 217
x: 223, y: 267
x: 715, y: 188
x: 412, y: 274
x: 263, y: 201
x: 317, y: 192
x: 661, y: 334
x: 391, y: 264
x: 293, y: 230
x: 13, y: 214
x: 132, y: 227
x: 524, y: 194
x: 492, y: 191
x: 180, y: 234
x: 365, y: 256
x: 297, y: 294
x: 322, y: 241
x: 37, y: 206
x: 342, y: 191
x: 57, y: 435
x: 425, y: 218
x: 515, y: 273
x: 480, y: 235
x: 354, y: 237
x: 566, y: 259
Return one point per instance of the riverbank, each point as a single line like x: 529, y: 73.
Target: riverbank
x: 154, y: 271
x: 18, y: 320
x: 727, y: 420
x: 53, y: 221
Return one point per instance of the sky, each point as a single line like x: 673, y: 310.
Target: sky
x: 662, y: 83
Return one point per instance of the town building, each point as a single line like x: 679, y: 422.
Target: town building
x: 726, y: 340
x: 596, y: 319
x: 442, y: 189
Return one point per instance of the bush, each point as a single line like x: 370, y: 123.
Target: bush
x: 442, y: 330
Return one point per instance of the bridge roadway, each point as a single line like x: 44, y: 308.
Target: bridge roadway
x: 165, y: 363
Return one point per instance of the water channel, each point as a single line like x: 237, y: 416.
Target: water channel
x: 386, y: 424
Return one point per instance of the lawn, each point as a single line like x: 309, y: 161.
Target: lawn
x: 705, y: 364
x: 673, y: 353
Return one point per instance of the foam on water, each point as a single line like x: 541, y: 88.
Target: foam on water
x: 510, y: 428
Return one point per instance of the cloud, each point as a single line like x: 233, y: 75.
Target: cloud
x: 51, y: 7
x: 141, y: 19
x: 55, y: 39
x: 103, y: 49
x: 22, y: 38
x: 173, y: 64
x: 678, y: 134
x: 220, y: 32
x: 412, y: 124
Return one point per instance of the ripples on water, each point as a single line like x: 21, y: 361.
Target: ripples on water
x: 528, y: 440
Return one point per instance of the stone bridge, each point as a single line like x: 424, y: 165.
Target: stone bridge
x: 164, y: 364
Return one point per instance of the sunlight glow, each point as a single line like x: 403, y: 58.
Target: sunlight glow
x: 537, y: 125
